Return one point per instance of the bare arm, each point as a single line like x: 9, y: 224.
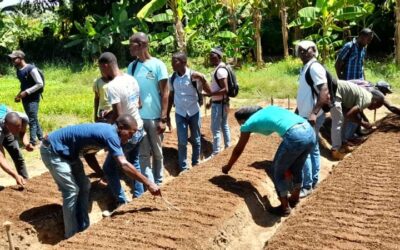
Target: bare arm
x: 237, y: 151
x: 132, y: 173
x: 392, y: 109
x: 117, y: 111
x: 24, y: 137
x: 339, y: 66
x: 322, y: 99
x: 4, y: 165
x: 96, y: 105
x: 164, y: 92
x: 94, y: 164
x: 354, y: 115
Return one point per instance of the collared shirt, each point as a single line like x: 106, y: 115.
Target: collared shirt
x: 305, y: 99
x: 185, y: 95
x: 353, y: 56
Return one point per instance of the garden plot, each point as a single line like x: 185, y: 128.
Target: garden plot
x: 357, y: 207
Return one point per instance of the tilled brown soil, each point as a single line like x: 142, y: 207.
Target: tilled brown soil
x: 357, y: 207
x: 206, y: 199
x: 36, y: 211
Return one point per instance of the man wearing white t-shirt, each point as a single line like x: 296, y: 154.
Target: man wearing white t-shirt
x: 309, y: 107
x: 123, y: 96
x: 219, y: 101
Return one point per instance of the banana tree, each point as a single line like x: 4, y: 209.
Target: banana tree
x: 177, y: 8
x: 327, y: 15
x: 396, y: 3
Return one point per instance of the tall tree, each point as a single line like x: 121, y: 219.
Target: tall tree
x: 284, y: 27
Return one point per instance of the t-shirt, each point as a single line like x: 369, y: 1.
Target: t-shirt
x: 271, y: 119
x: 185, y: 95
x: 72, y: 141
x: 148, y: 74
x: 124, y: 89
x: 305, y: 99
x: 100, y: 88
x: 350, y: 95
x: 221, y: 74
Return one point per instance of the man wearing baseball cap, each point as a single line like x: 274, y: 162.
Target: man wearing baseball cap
x: 31, y: 88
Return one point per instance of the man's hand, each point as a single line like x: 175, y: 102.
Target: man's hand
x: 312, y: 118
x: 154, y: 189
x: 17, y: 98
x: 226, y: 168
x: 20, y: 180
x: 29, y: 147
x: 161, y: 126
x: 366, y: 125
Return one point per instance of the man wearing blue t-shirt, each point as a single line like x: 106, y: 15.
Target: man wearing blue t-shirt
x: 60, y: 153
x: 298, y: 140
x: 152, y: 76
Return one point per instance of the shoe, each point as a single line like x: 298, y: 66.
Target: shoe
x: 293, y: 202
x: 305, y: 192
x: 337, y: 155
x: 109, y: 213
x: 347, y: 148
x: 280, y: 211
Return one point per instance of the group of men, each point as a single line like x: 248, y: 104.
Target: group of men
x: 132, y: 111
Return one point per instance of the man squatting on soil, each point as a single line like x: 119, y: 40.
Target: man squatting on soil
x: 60, y: 152
x: 298, y: 140
x: 14, y: 124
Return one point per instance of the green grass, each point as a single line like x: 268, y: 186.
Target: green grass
x: 68, y: 95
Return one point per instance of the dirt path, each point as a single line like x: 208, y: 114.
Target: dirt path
x: 357, y: 207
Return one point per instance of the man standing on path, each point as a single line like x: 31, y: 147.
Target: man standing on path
x: 31, y: 88
x: 219, y: 101
x: 152, y: 76
x: 186, y: 86
x: 123, y: 96
x: 350, y: 61
x: 61, y: 152
x: 15, y: 125
x: 309, y: 107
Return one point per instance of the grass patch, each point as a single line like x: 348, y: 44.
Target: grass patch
x: 68, y: 95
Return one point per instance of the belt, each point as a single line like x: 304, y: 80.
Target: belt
x: 218, y: 102
x: 299, y: 125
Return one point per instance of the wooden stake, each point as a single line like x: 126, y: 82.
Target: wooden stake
x: 272, y: 100
x: 7, y: 226
x: 374, y: 115
x: 288, y: 102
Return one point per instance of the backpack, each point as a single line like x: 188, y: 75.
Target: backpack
x: 195, y: 86
x: 134, y: 64
x: 32, y: 81
x: 332, y: 86
x: 233, y: 85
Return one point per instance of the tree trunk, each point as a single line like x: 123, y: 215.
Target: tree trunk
x: 297, y: 30
x: 179, y: 31
x: 257, y: 26
x: 397, y: 32
x: 283, y: 14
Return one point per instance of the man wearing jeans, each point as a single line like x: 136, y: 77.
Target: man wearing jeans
x: 219, y: 101
x: 309, y: 107
x: 15, y: 125
x: 31, y: 84
x: 185, y: 88
x: 152, y: 76
x: 60, y: 153
x: 123, y: 96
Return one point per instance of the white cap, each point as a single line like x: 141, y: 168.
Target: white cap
x: 306, y: 44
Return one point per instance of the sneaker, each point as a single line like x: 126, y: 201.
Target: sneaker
x: 305, y: 192
x: 109, y: 213
x: 279, y: 211
x: 337, y: 155
x: 347, y: 148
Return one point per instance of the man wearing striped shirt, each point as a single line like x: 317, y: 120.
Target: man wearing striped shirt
x: 350, y: 61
